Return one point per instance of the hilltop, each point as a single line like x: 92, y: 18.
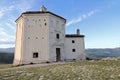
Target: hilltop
x: 84, y: 70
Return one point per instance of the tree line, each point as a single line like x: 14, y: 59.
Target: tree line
x: 6, y: 58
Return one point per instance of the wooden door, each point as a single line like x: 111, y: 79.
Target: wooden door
x: 58, y: 56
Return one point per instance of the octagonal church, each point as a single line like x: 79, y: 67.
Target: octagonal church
x: 40, y: 37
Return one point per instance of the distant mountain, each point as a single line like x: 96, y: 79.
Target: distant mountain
x: 90, y: 53
x: 6, y: 55
x: 102, y: 53
x: 7, y: 50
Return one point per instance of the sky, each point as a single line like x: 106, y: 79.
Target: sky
x: 98, y: 20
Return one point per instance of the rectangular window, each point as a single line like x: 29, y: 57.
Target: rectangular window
x: 57, y: 36
x: 35, y: 55
x: 73, y: 50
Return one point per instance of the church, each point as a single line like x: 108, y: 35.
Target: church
x: 40, y: 37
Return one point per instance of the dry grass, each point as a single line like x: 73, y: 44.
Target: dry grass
x: 3, y: 66
x: 87, y: 70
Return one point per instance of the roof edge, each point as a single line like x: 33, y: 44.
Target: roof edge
x: 39, y: 12
x: 74, y: 35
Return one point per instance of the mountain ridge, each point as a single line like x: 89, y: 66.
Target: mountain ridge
x: 7, y: 50
x: 103, y: 53
x: 93, y: 53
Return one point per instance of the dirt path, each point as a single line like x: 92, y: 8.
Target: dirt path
x: 42, y: 64
x: 33, y: 65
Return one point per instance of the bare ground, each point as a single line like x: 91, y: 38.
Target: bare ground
x: 34, y: 65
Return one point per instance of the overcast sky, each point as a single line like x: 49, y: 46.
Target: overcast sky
x: 98, y: 20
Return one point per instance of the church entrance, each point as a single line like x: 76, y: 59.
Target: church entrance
x: 58, y: 57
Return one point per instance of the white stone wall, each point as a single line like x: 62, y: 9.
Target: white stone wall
x: 56, y: 26
x: 18, y: 43
x: 32, y: 37
x: 36, y: 38
x: 79, y: 53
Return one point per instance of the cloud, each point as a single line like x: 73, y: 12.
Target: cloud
x: 6, y: 41
x: 5, y: 36
x: 5, y: 9
x: 1, y: 13
x: 11, y: 26
x: 23, y: 5
x: 81, y: 18
x: 19, y: 5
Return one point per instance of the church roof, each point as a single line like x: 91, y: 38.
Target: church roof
x: 40, y: 12
x: 73, y: 35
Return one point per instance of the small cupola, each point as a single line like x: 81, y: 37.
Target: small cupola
x: 43, y: 9
x: 78, y: 31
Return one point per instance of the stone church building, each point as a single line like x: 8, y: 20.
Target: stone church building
x: 40, y: 37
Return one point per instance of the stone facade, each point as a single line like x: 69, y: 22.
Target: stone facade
x: 40, y: 37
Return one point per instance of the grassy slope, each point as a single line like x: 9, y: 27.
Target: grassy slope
x: 88, y: 70
x: 4, y: 66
